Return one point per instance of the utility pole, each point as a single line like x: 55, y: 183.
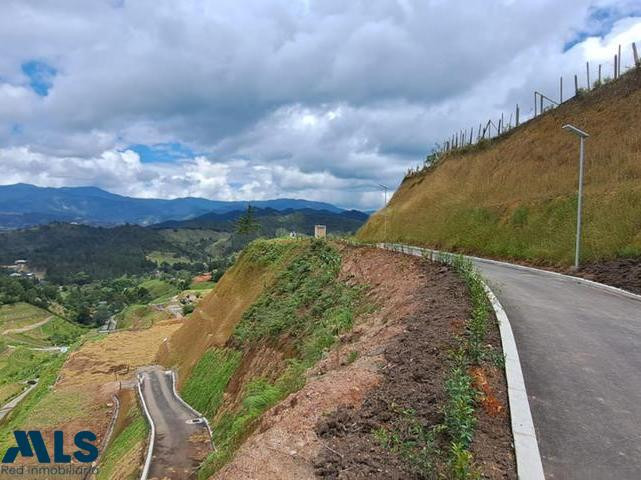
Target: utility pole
x: 582, y: 136
x: 385, y: 188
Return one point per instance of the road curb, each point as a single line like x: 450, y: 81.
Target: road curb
x: 152, y: 435
x: 196, y: 412
x: 528, y: 459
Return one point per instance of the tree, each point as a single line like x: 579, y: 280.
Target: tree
x: 247, y: 223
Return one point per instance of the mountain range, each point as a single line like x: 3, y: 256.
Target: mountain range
x: 23, y: 205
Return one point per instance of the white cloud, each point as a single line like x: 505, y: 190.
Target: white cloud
x: 314, y: 98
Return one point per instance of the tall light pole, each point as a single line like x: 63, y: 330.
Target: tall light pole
x: 582, y: 136
x: 385, y: 188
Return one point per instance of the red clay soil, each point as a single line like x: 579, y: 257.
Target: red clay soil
x: 414, y: 373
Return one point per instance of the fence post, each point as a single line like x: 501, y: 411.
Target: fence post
x: 471, y: 133
x: 599, y: 74
x: 615, y: 66
x: 535, y: 104
x: 541, y: 109
x: 561, y: 90
x: 619, y: 64
x: 637, y: 62
x: 517, y: 114
x: 576, y: 85
x: 587, y: 71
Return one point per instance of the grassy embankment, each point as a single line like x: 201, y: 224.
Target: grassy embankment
x: 279, y: 331
x: 515, y: 197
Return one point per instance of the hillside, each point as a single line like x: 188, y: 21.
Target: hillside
x: 296, y: 339
x: 272, y: 220
x: 23, y: 205
x: 515, y: 197
x: 65, y: 250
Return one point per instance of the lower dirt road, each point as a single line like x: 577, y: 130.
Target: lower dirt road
x: 580, y: 352
x: 180, y: 444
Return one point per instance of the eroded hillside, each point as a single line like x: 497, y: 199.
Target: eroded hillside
x: 515, y: 197
x: 309, y: 358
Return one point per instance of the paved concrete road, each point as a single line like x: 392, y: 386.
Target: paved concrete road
x: 580, y: 350
x: 179, y: 446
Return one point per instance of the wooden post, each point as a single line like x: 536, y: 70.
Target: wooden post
x: 637, y: 62
x: 535, y: 104
x: 587, y: 71
x: 517, y: 114
x: 501, y: 124
x: 561, y: 90
x: 478, y: 135
x: 619, y: 63
x: 615, y: 66
x: 599, y: 74
x: 471, y: 133
x: 576, y: 85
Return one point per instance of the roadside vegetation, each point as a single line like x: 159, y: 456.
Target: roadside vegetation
x: 515, y: 197
x: 298, y: 317
x: 443, y: 450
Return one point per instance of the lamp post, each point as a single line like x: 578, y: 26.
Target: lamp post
x: 582, y: 136
x: 385, y: 188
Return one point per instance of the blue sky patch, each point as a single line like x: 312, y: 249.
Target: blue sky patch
x: 40, y: 76
x: 600, y: 23
x: 162, y: 152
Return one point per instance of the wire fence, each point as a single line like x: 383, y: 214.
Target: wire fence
x: 495, y: 128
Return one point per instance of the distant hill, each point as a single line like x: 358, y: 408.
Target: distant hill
x: 23, y: 205
x: 271, y: 220
x: 65, y: 250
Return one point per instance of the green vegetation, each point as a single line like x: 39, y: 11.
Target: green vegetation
x: 158, y: 288
x: 138, y: 317
x: 19, y: 315
x: 306, y: 307
x: 134, y: 433
x: 516, y: 196
x: 442, y: 451
x: 205, y: 386
x: 17, y: 419
x: 202, y: 286
x: 411, y: 440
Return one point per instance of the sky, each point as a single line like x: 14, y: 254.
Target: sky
x: 315, y: 99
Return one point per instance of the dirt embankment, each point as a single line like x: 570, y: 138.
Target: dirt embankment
x: 394, y: 357
x: 623, y: 273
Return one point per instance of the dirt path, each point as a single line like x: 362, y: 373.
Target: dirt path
x: 179, y: 445
x: 28, y: 327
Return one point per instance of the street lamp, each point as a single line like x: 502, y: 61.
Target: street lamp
x: 385, y: 188
x: 582, y: 136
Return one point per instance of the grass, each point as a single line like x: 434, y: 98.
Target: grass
x: 197, y: 286
x: 139, y: 317
x: 19, y: 315
x: 133, y: 434
x: 204, y: 388
x: 19, y: 417
x: 307, y: 307
x: 516, y: 198
x: 159, y: 288
x: 166, y: 257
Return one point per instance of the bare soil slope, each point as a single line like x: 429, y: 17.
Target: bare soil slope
x: 394, y: 358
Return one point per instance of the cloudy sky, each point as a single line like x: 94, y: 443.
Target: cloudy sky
x: 317, y: 99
